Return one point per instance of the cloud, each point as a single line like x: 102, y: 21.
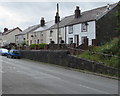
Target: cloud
x: 10, y: 18
x: 25, y: 14
x: 59, y: 0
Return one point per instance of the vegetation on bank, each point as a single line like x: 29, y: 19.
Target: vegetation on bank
x: 108, y: 54
x: 40, y: 46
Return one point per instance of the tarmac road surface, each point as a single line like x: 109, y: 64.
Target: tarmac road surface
x: 21, y: 76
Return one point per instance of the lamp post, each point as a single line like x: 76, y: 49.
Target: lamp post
x: 58, y: 23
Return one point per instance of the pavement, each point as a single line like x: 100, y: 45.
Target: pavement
x: 21, y: 76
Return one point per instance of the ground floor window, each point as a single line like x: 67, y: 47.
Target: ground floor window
x: 70, y: 40
x: 27, y: 42
x: 30, y: 42
x: 42, y: 41
x: 34, y: 41
x: 38, y: 41
x: 83, y: 39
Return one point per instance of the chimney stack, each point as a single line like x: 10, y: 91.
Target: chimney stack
x: 42, y: 22
x: 108, y: 6
x: 57, y: 18
x: 5, y: 29
x: 77, y: 12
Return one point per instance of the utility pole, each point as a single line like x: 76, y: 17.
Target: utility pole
x: 58, y: 23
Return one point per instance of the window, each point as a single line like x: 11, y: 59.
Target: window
x: 35, y: 34
x: 27, y: 35
x: 50, y: 40
x: 42, y: 41
x: 51, y: 33
x: 17, y: 37
x: 27, y: 42
x: 41, y: 33
x: 84, y: 27
x: 38, y: 41
x: 34, y: 41
x: 30, y: 42
x: 70, y: 29
x: 70, y: 40
x: 83, y: 39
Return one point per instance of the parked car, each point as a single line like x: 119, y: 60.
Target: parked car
x: 3, y: 52
x: 14, y: 54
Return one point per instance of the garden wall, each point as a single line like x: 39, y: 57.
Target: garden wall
x: 63, y: 58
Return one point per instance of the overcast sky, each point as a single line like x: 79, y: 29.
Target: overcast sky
x: 25, y: 14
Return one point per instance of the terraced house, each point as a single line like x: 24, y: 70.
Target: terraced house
x: 25, y: 36
x: 95, y: 27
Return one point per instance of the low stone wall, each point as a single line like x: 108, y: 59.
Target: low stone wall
x: 63, y: 58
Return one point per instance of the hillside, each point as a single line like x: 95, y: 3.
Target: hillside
x: 108, y: 54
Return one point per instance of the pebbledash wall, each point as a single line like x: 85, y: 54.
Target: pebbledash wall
x: 63, y: 58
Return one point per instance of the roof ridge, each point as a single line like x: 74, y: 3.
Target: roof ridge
x: 99, y: 7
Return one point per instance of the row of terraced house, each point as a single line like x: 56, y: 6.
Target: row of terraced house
x: 97, y: 26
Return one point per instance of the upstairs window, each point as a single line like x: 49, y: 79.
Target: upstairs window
x: 51, y: 32
x: 70, y: 29
x: 41, y: 33
x: 84, y: 27
x: 27, y: 35
x: 35, y: 34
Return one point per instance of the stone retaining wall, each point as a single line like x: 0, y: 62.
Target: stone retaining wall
x: 63, y: 58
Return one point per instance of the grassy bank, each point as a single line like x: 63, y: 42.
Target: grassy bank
x: 107, y: 54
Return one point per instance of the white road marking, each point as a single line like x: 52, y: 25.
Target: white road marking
x: 103, y: 92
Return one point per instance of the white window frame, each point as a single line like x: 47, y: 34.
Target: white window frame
x: 70, y: 29
x: 84, y: 27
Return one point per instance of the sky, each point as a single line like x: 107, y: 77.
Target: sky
x: 22, y: 14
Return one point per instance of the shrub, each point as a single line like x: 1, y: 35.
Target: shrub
x: 41, y: 46
x: 32, y: 46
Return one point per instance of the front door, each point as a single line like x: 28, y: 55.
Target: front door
x: 76, y: 39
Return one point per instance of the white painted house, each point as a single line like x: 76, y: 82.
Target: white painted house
x: 43, y: 34
x: 25, y: 36
x: 78, y: 32
x: 94, y: 25
x: 86, y: 24
x: 62, y: 29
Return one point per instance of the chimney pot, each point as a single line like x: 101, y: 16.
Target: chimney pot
x: 5, y: 29
x: 77, y: 12
x: 42, y: 22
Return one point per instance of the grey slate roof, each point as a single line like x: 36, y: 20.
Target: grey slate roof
x: 90, y: 15
x: 93, y: 14
x: 46, y: 27
x: 11, y: 30
x: 64, y: 21
x: 30, y: 29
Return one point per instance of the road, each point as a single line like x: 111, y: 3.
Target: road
x: 21, y: 76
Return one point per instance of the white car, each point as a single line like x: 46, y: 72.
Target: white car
x: 3, y: 52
